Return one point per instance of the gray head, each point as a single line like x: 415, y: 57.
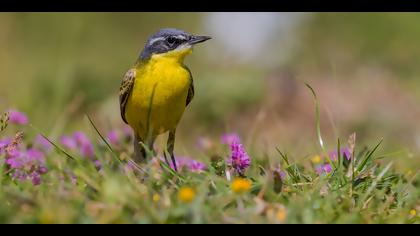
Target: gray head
x: 169, y: 39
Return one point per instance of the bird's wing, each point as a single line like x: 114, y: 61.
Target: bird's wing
x: 190, y: 95
x: 125, y: 90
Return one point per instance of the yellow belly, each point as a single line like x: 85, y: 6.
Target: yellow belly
x: 170, y: 82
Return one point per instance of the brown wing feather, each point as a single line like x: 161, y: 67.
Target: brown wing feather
x: 190, y: 95
x: 125, y: 91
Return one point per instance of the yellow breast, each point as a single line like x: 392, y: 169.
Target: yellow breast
x: 159, y: 96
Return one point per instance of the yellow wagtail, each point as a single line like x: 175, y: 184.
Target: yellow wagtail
x: 156, y: 90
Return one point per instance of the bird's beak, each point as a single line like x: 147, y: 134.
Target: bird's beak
x: 198, y: 39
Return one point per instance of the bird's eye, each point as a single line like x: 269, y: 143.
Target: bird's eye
x: 172, y: 40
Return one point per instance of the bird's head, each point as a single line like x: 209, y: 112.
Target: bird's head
x: 170, y: 43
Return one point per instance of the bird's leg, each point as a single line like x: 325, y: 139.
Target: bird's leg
x: 170, y: 147
x: 139, y: 150
x: 150, y: 142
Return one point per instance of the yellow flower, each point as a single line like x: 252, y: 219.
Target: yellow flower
x: 413, y: 212
x: 241, y: 185
x: 281, y: 214
x: 409, y: 173
x: 186, y: 194
x: 156, y: 197
x: 47, y: 217
x: 316, y: 159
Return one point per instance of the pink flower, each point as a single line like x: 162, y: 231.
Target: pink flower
x: 87, y: 150
x: 113, y: 137
x: 43, y: 143
x: 180, y: 162
x: 98, y: 164
x: 4, y: 143
x: 79, y: 141
x: 34, y: 154
x: 68, y: 142
x: 86, y: 147
x: 190, y: 164
x: 16, y: 117
x: 345, y: 152
x: 35, y: 177
x: 12, y: 151
x: 16, y: 160
x: 27, y: 164
x: 128, y: 132
x: 196, y: 166
x: 323, y: 168
x: 230, y: 138
x: 281, y: 173
x: 80, y: 138
x: 239, y: 159
x: 327, y: 168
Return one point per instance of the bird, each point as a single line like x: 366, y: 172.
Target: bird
x: 156, y: 90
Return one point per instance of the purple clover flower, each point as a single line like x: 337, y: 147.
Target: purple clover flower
x: 345, y: 152
x: 282, y: 173
x: 318, y: 169
x: 327, y: 168
x: 68, y: 142
x: 42, y: 170
x: 86, y: 147
x: 79, y: 141
x: 35, y: 154
x: 239, y: 159
x: 12, y: 150
x: 42, y: 143
x: 27, y: 165
x: 186, y: 162
x: 230, y: 138
x: 15, y: 159
x: 98, y: 164
x: 87, y: 150
x: 179, y: 164
x: 196, y: 166
x: 35, y: 177
x: 80, y: 138
x: 113, y: 137
x: 323, y: 168
x: 18, y: 118
x: 4, y: 143
x: 128, y: 132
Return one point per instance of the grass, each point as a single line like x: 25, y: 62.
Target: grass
x: 363, y: 189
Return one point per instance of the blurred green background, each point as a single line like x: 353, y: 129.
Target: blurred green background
x: 249, y: 78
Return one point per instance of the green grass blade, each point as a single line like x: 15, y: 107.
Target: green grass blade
x: 339, y: 156
x: 390, y: 154
x: 111, y: 149
x: 57, y: 147
x: 375, y: 183
x: 367, y: 158
x: 169, y: 169
x: 317, y: 117
x: 318, y: 125
x: 284, y: 156
x: 103, y: 139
